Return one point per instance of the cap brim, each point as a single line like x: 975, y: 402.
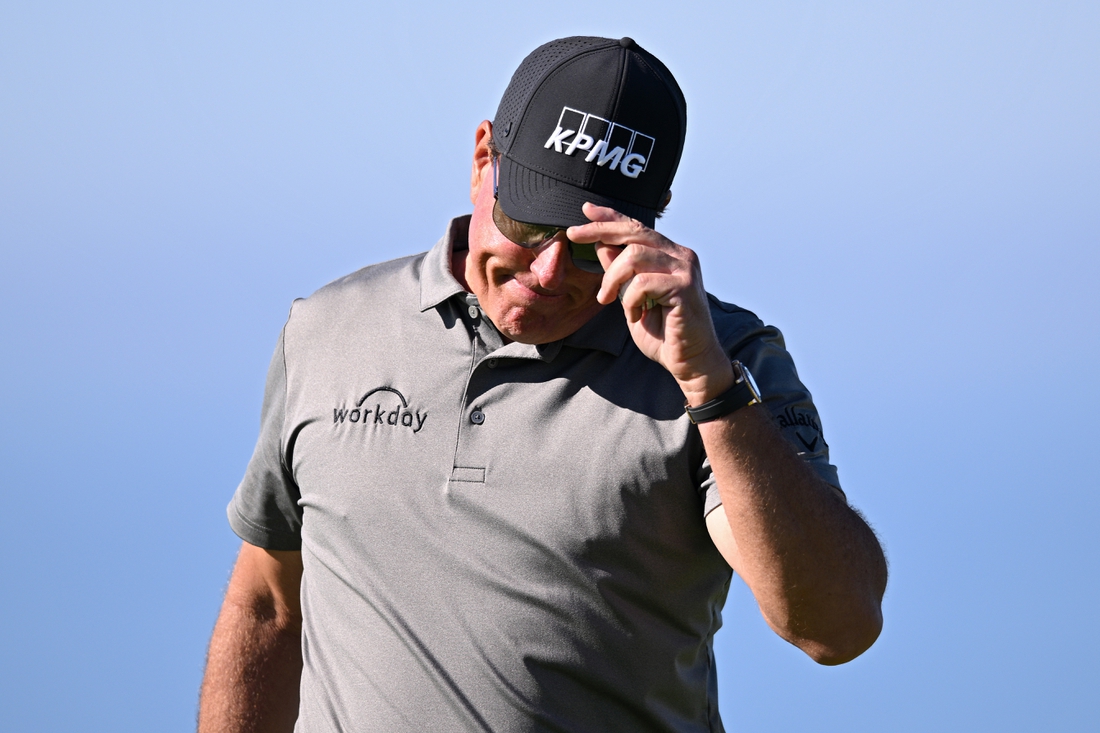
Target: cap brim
x: 535, y: 198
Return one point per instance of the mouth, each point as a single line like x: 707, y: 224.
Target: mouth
x: 532, y: 293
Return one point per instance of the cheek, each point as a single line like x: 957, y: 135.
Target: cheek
x: 582, y: 285
x: 479, y: 240
x: 483, y: 257
x: 589, y: 282
x: 497, y: 261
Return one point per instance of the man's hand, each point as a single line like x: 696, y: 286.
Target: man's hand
x: 812, y: 563
x: 661, y: 288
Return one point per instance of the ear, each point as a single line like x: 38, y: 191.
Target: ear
x: 482, y: 159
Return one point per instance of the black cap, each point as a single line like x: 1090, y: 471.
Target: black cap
x: 588, y: 119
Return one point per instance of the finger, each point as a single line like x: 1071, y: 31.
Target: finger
x: 620, y: 233
x: 648, y: 303
x: 617, y: 276
x: 612, y: 232
x: 596, y: 212
x: 607, y: 253
x: 622, y: 265
x: 611, y: 227
x: 640, y: 295
x: 605, y: 219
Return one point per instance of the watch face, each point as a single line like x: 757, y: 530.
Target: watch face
x: 748, y: 378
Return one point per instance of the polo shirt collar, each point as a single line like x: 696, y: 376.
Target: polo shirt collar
x: 606, y: 331
x: 437, y: 284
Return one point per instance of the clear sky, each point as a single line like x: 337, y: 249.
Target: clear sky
x: 909, y: 190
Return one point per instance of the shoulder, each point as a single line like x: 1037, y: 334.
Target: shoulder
x: 371, y: 300
x: 758, y: 346
x: 371, y: 292
x: 392, y: 278
x: 737, y: 327
x: 762, y: 349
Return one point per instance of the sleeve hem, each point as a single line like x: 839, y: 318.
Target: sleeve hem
x: 827, y: 473
x: 264, y: 537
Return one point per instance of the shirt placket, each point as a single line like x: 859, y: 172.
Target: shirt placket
x: 470, y: 461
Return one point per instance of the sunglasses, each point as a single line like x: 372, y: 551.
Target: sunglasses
x: 530, y: 236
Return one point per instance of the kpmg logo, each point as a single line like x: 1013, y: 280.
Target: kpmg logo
x: 605, y: 142
x: 382, y: 410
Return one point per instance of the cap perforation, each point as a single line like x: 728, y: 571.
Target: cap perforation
x: 581, y: 94
x: 538, y: 64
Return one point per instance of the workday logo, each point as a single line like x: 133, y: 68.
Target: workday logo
x: 604, y: 141
x: 388, y: 408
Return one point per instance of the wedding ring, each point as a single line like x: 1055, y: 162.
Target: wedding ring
x: 650, y: 303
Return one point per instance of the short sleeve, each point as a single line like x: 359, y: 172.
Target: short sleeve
x: 762, y: 349
x: 264, y: 510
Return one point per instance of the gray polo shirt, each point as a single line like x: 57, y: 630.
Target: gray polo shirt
x: 495, y: 536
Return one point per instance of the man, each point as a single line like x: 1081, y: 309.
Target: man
x: 501, y: 486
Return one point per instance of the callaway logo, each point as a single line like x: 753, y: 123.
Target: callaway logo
x: 376, y: 413
x: 792, y: 419
x: 606, y: 142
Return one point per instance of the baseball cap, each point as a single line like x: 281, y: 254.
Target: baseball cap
x: 588, y: 119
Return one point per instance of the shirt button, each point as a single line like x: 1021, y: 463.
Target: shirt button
x: 492, y: 363
x: 477, y: 417
x: 472, y: 310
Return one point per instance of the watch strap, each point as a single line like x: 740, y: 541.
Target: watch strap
x: 742, y: 394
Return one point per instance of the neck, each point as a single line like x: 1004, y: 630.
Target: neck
x: 458, y: 268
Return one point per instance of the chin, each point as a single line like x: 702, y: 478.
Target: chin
x: 530, y: 335
x: 533, y: 329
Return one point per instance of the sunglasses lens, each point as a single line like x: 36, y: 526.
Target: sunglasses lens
x: 518, y: 232
x: 584, y: 257
x: 532, y: 235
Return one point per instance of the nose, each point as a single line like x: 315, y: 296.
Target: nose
x: 550, y: 263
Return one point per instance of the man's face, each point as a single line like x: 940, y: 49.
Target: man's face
x: 533, y: 296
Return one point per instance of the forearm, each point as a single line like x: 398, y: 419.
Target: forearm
x: 813, y: 564
x: 253, y: 669
x: 815, y: 567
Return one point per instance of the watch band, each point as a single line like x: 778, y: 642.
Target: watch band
x: 742, y: 394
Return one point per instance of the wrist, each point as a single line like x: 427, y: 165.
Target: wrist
x: 709, y: 382
x: 742, y: 393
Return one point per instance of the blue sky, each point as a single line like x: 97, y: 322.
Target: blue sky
x: 909, y: 190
